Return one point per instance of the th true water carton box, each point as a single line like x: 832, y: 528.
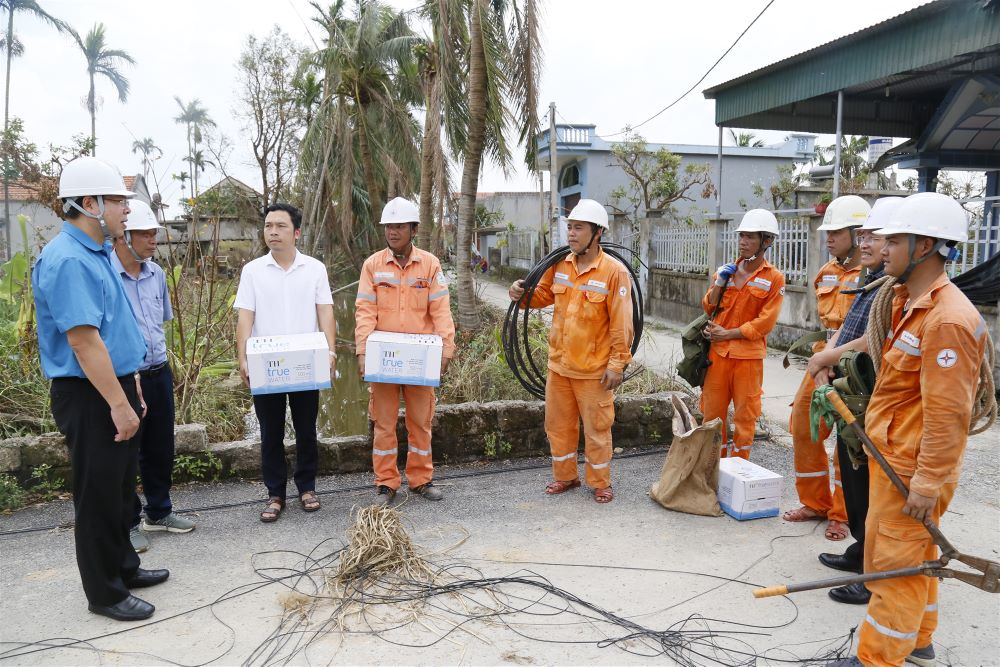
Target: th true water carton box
x: 294, y: 362
x: 748, y: 491
x: 403, y: 358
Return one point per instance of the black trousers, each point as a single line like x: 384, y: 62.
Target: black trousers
x: 270, y: 409
x: 156, y: 445
x: 103, y: 486
x: 855, y: 484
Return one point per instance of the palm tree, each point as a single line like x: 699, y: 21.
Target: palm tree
x: 194, y: 117
x: 362, y: 145
x: 441, y: 61
x: 14, y: 48
x: 183, y: 177
x: 106, y: 62
x: 504, y: 62
x: 146, y: 147
x: 745, y: 139
x: 198, y: 163
x: 308, y: 94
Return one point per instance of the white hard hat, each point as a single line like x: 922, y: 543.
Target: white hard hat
x: 141, y: 217
x: 400, y: 210
x: 929, y: 214
x: 844, y: 212
x: 759, y: 220
x: 588, y: 210
x: 881, y: 212
x: 89, y: 177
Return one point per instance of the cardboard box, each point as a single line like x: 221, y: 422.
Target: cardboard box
x: 403, y: 358
x: 748, y: 491
x: 296, y: 362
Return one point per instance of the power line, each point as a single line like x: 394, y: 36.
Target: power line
x: 696, y: 83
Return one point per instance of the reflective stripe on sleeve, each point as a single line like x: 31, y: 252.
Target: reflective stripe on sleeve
x: 365, y: 296
x: 437, y: 295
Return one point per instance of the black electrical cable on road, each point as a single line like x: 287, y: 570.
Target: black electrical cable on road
x: 516, y: 332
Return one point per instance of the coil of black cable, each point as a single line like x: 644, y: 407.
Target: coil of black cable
x: 516, y: 332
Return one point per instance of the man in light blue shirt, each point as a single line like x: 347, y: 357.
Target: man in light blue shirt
x: 146, y: 287
x: 91, y: 348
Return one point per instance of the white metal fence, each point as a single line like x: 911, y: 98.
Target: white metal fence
x: 679, y: 246
x: 983, y: 243
x: 789, y: 252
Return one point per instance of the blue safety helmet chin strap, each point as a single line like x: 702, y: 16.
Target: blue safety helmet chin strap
x: 71, y: 204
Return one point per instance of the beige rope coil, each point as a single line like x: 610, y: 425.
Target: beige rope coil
x: 880, y: 323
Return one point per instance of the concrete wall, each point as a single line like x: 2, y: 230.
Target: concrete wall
x: 676, y: 297
x: 462, y: 432
x: 520, y: 209
x: 42, y: 225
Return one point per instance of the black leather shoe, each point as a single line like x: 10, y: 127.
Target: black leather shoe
x: 851, y: 594
x: 839, y: 562
x: 129, y: 609
x: 146, y: 578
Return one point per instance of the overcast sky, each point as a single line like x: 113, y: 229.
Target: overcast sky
x: 607, y: 63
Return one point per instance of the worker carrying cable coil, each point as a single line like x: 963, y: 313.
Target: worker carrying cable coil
x: 590, y: 345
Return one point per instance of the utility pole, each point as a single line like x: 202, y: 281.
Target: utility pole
x: 541, y: 215
x: 553, y: 174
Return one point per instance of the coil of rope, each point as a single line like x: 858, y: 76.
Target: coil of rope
x: 984, y: 405
x: 515, y: 335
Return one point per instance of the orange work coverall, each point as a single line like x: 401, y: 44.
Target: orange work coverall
x: 812, y: 467
x: 736, y: 373
x: 591, y: 331
x: 918, y: 418
x: 403, y: 299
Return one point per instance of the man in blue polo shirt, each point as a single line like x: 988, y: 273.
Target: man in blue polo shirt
x: 146, y: 287
x: 90, y: 346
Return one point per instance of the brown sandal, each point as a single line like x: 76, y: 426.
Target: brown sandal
x: 273, y: 509
x: 802, y: 514
x: 836, y: 531
x: 558, y: 486
x: 309, y: 500
x: 605, y: 495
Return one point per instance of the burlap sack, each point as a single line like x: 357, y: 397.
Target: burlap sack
x: 689, y: 480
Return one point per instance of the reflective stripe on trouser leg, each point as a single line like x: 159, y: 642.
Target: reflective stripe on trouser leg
x: 902, y: 613
x: 747, y: 381
x: 597, y: 407
x: 420, y: 403
x: 383, y: 409
x: 812, y: 466
x: 562, y: 426
x: 716, y: 393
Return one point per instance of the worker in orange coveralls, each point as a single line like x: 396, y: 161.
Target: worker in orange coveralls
x: 918, y: 417
x: 751, y: 291
x: 589, y: 347
x: 402, y: 289
x: 839, y: 275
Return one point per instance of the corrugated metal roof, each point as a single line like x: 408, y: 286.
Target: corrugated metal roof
x: 930, y: 35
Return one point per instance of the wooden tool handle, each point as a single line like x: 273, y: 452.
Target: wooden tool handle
x: 771, y: 591
x: 838, y: 403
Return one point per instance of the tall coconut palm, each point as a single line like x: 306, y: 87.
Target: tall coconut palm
x: 198, y: 163
x: 194, y: 117
x: 108, y: 63
x: 364, y: 120
x: 146, y: 147
x: 442, y: 61
x: 14, y: 48
x: 504, y: 63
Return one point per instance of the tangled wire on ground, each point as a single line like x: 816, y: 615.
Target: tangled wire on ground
x: 384, y: 585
